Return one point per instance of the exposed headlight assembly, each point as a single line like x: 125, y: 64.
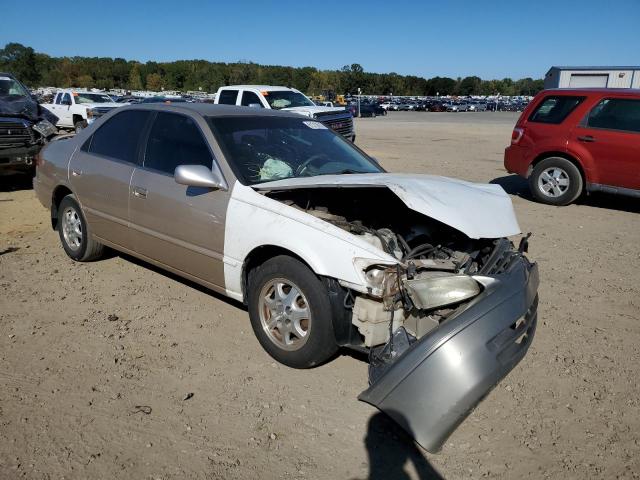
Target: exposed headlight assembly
x: 437, y: 291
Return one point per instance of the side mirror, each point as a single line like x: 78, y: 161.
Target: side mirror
x: 198, y: 176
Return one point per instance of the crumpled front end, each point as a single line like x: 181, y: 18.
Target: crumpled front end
x: 449, y: 311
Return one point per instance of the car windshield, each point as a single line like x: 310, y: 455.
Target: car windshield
x: 8, y: 86
x: 278, y: 99
x: 261, y: 149
x: 83, y: 97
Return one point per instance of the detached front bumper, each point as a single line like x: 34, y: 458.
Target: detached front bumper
x: 434, y: 385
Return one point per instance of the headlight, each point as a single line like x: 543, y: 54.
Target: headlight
x: 441, y: 290
x: 373, y: 273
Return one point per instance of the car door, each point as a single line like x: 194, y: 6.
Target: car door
x: 64, y: 112
x: 100, y: 174
x: 176, y: 225
x: 610, y: 135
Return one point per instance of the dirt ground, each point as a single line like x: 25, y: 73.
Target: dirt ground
x: 98, y: 360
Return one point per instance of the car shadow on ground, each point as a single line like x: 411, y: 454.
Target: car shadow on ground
x: 110, y: 253
x: 11, y: 182
x: 516, y: 185
x: 390, y: 449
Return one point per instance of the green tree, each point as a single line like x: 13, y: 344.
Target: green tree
x: 135, y: 81
x: 21, y: 61
x: 154, y: 82
x: 84, y: 81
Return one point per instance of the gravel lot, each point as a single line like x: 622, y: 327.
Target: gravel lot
x: 98, y: 360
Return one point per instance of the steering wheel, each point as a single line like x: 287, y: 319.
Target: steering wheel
x: 303, y: 166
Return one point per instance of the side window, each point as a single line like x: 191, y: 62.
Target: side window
x: 175, y: 140
x: 228, y: 97
x: 554, y: 109
x: 249, y: 97
x: 616, y: 114
x: 58, y: 98
x: 66, y: 99
x: 118, y: 137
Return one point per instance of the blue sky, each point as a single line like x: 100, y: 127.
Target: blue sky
x: 491, y: 39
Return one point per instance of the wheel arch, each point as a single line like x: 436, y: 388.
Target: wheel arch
x: 261, y: 254
x: 344, y: 332
x: 564, y: 155
x: 59, y: 193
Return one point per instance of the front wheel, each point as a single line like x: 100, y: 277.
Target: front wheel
x: 74, y: 232
x: 79, y: 126
x: 555, y: 181
x: 290, y: 313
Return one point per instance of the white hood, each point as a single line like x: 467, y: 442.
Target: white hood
x: 314, y: 109
x: 477, y: 210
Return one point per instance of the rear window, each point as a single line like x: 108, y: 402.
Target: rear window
x: 228, y: 97
x: 554, y: 109
x: 616, y: 114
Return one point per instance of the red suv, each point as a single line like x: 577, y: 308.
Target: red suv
x: 569, y: 141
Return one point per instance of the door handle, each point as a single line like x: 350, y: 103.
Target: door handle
x: 76, y: 173
x: 586, y: 138
x: 139, y: 192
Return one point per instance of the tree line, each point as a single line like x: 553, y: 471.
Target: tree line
x: 39, y: 69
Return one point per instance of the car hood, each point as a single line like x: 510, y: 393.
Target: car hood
x: 16, y: 106
x: 314, y: 109
x: 477, y: 210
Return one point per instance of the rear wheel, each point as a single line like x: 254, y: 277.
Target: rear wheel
x: 74, y: 232
x: 290, y: 313
x: 556, y: 181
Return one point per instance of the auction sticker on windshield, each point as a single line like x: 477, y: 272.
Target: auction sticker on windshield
x: 315, y: 125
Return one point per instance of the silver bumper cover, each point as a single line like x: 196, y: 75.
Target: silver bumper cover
x: 436, y: 384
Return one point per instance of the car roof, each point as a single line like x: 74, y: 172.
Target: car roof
x: 211, y: 110
x: 632, y: 92
x: 262, y: 87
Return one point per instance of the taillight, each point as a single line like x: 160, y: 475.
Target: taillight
x: 516, y: 135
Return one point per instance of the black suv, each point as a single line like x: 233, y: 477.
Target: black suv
x: 24, y: 125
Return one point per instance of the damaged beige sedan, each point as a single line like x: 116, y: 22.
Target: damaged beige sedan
x: 325, y: 248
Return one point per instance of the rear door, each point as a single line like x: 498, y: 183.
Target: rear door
x: 228, y: 96
x: 179, y: 226
x: 610, y: 135
x: 100, y: 173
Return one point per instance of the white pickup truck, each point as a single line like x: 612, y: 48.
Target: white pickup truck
x: 76, y: 110
x: 290, y: 99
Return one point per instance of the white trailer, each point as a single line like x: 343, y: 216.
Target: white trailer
x: 592, y: 77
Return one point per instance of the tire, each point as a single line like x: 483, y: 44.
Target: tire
x: 556, y: 181
x: 74, y: 232
x: 272, y: 310
x: 80, y: 125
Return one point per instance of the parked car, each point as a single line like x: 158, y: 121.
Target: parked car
x: 436, y: 106
x: 76, y: 110
x: 24, y: 126
x: 477, y: 106
x: 456, y: 107
x: 570, y: 141
x: 324, y: 247
x: 288, y: 99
